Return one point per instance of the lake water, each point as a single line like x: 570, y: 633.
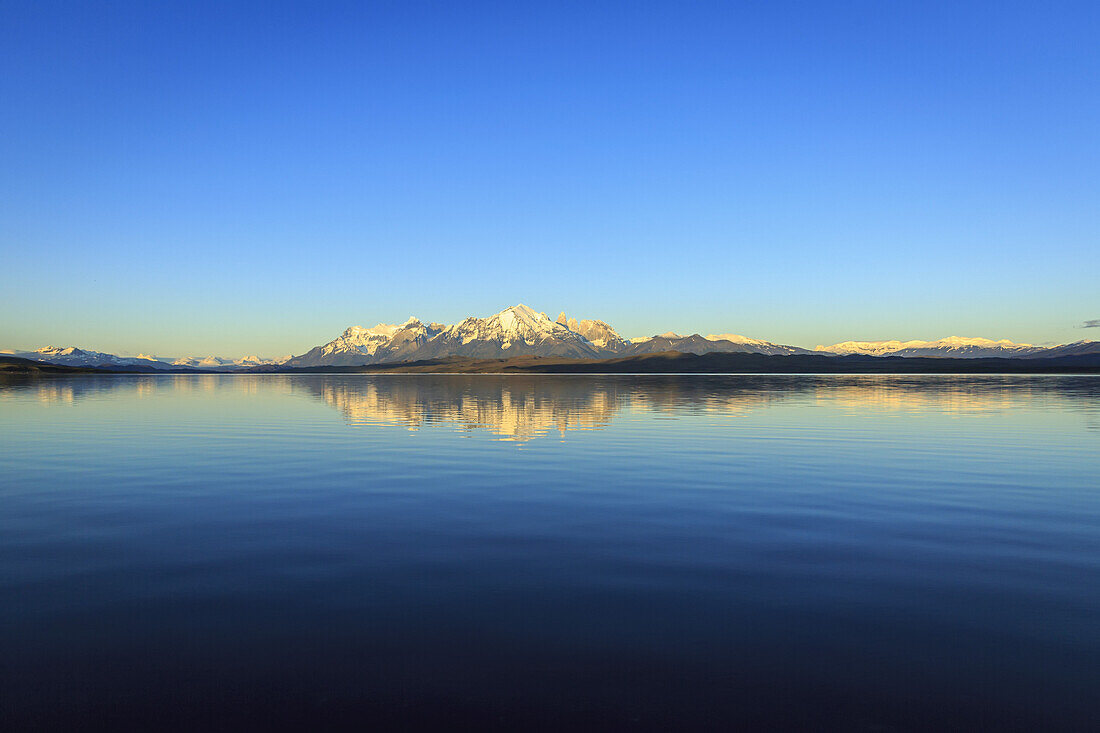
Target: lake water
x: 551, y: 552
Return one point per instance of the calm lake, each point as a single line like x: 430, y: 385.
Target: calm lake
x: 551, y: 552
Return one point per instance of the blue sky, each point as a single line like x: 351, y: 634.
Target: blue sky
x: 254, y: 177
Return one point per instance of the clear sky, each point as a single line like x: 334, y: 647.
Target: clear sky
x: 230, y: 178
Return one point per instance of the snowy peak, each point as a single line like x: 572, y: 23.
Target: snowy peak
x: 382, y: 329
x: 361, y: 345
x: 518, y: 329
x: 599, y: 333
x: 512, y: 325
x: 520, y: 318
x: 65, y: 351
x: 356, y: 340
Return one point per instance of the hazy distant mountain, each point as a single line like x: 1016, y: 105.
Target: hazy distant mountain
x: 220, y: 362
x: 202, y: 362
x: 74, y: 356
x: 958, y: 347
x: 253, y: 360
x: 77, y: 357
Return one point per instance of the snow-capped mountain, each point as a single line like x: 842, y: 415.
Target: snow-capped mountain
x: 515, y: 331
x: 958, y: 347
x: 359, y: 345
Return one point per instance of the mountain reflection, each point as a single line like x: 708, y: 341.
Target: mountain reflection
x: 523, y: 408
x: 511, y: 408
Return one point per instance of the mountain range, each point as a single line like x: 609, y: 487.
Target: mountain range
x: 521, y: 331
x: 515, y: 331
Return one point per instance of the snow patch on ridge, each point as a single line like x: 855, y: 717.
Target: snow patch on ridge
x: 736, y: 339
x: 954, y: 346
x: 879, y: 348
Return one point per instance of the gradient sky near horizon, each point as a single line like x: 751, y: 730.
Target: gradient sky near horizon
x: 231, y: 178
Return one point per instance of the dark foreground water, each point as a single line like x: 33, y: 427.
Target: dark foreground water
x: 754, y: 552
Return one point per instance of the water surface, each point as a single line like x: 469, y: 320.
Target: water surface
x: 838, y: 552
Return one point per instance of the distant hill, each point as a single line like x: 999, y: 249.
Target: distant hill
x: 696, y: 344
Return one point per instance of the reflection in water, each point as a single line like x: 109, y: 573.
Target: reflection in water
x: 69, y: 390
x: 514, y: 409
x: 760, y: 552
x: 522, y: 408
